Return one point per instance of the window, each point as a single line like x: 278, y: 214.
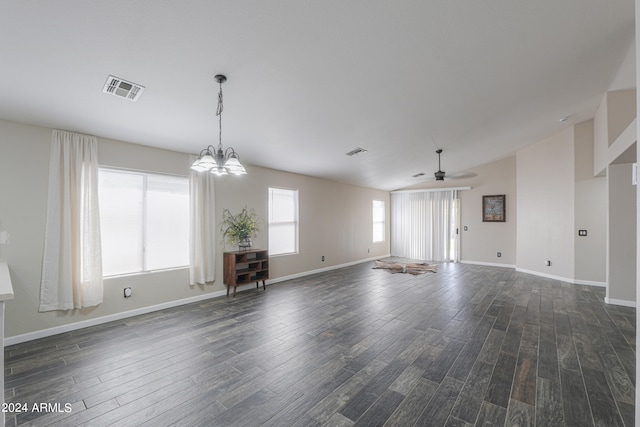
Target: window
x: 144, y: 221
x: 378, y: 221
x: 283, y: 221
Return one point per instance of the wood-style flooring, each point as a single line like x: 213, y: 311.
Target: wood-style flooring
x: 468, y: 345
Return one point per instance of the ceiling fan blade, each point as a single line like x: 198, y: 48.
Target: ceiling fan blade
x: 462, y: 175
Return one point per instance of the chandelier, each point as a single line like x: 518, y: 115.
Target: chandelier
x: 215, y: 160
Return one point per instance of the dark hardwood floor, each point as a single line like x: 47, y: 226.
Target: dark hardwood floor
x: 468, y: 345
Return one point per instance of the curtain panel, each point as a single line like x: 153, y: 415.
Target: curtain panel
x: 423, y: 225
x: 72, y: 259
x: 202, y: 228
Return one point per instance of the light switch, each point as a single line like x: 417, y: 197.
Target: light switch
x: 582, y: 232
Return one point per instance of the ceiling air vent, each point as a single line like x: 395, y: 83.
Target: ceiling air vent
x: 122, y: 88
x: 356, y: 151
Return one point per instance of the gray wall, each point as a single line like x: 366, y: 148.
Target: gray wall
x: 621, y: 270
x: 590, y: 210
x: 557, y: 196
x: 545, y: 177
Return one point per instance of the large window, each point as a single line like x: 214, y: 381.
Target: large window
x: 144, y: 220
x: 378, y: 221
x: 283, y: 221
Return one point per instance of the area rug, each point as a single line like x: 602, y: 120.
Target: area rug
x: 411, y: 268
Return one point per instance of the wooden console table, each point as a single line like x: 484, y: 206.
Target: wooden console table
x: 241, y: 267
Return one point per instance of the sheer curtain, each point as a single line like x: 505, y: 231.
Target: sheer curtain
x: 72, y: 261
x: 202, y: 228
x: 423, y: 225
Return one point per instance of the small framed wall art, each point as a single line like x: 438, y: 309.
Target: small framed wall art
x: 494, y: 208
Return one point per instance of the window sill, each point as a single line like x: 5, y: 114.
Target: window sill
x: 142, y: 273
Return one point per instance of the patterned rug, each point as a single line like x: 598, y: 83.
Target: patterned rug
x: 411, y: 268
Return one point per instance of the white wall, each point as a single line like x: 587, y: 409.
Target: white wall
x: 336, y: 221
x: 545, y: 204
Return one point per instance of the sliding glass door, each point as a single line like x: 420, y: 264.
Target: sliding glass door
x: 424, y: 225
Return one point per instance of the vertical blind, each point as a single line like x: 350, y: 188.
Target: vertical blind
x: 423, y: 225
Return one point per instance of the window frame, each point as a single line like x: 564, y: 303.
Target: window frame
x: 144, y: 232
x: 382, y: 222
x: 295, y: 222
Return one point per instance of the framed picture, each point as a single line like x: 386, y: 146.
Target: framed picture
x: 493, y: 208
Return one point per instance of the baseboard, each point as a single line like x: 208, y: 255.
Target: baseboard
x: 622, y: 302
x: 324, y: 269
x: 487, y: 264
x: 590, y: 283
x: 17, y: 339
x: 562, y: 279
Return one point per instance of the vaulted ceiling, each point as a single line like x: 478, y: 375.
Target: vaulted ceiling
x: 309, y: 81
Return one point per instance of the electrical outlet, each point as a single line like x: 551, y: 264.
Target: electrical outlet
x: 127, y: 292
x: 582, y: 232
x: 499, y: 254
x: 548, y: 263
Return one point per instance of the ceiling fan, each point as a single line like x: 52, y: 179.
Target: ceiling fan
x: 440, y: 174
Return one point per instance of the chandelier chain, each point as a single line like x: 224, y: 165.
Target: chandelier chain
x: 219, y: 114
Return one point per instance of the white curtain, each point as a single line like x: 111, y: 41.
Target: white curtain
x: 423, y: 225
x: 72, y: 261
x: 202, y: 228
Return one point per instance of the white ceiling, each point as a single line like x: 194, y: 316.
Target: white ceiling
x: 309, y: 81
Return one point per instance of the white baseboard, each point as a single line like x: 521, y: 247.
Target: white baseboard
x: 488, y: 264
x: 322, y: 270
x: 561, y: 278
x: 590, y: 283
x: 17, y: 339
x: 622, y: 302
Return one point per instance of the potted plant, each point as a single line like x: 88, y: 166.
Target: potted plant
x: 240, y: 228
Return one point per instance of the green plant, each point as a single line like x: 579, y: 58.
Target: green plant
x: 236, y: 228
